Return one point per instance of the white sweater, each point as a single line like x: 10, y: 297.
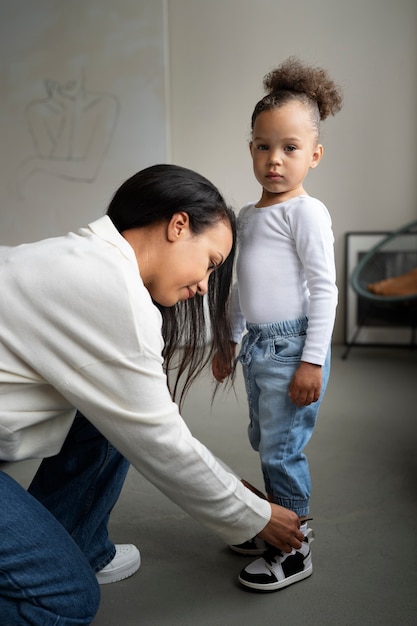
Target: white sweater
x: 286, y: 270
x: 79, y: 329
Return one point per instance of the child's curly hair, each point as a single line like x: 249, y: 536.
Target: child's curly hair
x: 293, y: 80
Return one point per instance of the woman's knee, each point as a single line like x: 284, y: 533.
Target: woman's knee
x: 80, y: 611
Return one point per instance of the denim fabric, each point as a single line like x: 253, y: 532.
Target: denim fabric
x: 80, y: 487
x: 54, y: 537
x: 45, y: 580
x: 278, y: 429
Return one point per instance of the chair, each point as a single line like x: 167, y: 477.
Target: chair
x: 394, y: 258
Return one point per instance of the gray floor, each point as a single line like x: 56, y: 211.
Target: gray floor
x: 364, y: 504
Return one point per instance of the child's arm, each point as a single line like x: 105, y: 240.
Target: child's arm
x: 305, y: 386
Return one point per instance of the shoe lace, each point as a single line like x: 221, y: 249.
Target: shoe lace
x: 271, y: 554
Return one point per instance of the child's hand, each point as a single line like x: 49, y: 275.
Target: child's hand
x: 222, y: 366
x: 305, y: 386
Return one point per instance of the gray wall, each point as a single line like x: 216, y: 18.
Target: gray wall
x: 83, y: 107
x: 219, y: 53
x: 176, y: 80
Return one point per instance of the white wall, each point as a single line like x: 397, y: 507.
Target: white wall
x: 219, y: 52
x: 65, y: 147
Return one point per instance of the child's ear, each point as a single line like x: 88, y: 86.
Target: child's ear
x: 316, y: 156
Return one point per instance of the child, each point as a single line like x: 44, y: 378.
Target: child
x: 286, y: 297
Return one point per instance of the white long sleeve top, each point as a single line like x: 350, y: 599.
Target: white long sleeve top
x: 286, y: 270
x: 78, y: 329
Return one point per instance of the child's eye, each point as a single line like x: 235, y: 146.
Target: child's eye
x: 263, y: 147
x: 290, y: 148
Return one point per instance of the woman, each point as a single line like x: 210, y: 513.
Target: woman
x: 81, y: 319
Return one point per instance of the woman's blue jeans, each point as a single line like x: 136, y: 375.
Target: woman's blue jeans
x: 53, y: 537
x: 278, y: 429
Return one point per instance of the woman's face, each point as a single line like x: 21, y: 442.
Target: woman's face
x: 186, y: 262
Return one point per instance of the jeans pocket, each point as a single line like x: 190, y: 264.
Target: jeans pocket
x: 288, y: 349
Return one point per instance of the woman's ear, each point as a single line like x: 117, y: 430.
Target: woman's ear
x: 178, y: 225
x: 316, y: 156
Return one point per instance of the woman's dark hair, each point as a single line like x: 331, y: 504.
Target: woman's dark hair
x: 293, y: 80
x: 192, y: 332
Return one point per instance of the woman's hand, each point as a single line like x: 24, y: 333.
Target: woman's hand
x: 283, y: 529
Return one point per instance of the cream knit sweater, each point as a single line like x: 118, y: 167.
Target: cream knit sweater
x: 79, y: 329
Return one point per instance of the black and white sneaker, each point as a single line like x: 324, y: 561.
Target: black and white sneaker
x: 276, y: 569
x: 252, y: 547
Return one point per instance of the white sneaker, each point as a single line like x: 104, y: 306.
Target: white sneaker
x: 125, y: 563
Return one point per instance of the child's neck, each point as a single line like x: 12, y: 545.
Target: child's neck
x: 269, y: 199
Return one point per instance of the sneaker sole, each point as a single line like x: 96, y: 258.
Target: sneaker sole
x: 107, y: 578
x: 295, y: 578
x: 247, y: 552
x: 115, y: 576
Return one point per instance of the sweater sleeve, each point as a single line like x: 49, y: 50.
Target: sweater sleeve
x: 95, y: 339
x: 313, y: 236
x: 130, y: 404
x: 238, y: 321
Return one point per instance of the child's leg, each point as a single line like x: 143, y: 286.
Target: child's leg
x: 280, y: 430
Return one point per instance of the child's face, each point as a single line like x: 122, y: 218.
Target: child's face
x: 283, y: 149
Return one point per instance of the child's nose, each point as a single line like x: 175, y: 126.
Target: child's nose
x: 275, y: 156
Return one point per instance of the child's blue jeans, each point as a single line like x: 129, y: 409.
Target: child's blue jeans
x: 54, y: 538
x: 278, y: 429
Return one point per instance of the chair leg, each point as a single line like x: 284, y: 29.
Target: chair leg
x: 351, y: 343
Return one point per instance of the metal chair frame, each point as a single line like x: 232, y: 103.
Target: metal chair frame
x: 394, y: 255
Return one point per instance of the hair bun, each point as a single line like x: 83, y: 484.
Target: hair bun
x: 296, y: 77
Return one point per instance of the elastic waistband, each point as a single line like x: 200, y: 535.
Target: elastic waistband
x: 282, y: 329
